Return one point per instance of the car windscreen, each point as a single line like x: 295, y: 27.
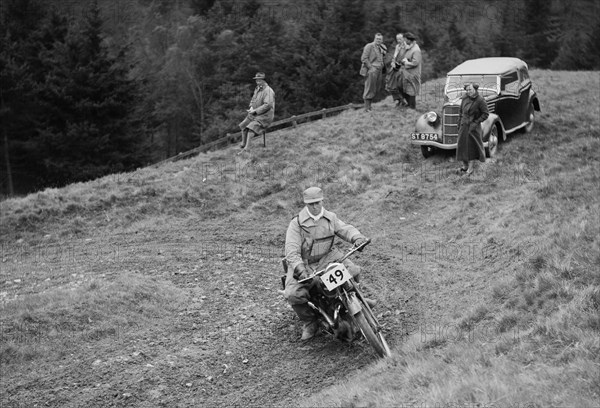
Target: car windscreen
x: 488, y: 85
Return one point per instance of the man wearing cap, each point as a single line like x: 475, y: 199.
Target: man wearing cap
x: 260, y: 113
x: 411, y: 70
x: 308, y: 248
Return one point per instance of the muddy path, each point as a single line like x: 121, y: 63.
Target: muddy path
x: 235, y: 341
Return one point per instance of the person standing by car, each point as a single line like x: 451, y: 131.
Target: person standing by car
x: 260, y: 113
x: 411, y: 70
x: 473, y: 111
x: 372, y: 66
x: 308, y: 248
x: 393, y: 83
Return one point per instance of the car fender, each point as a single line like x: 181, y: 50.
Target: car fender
x: 486, y: 127
x: 533, y: 99
x: 426, y: 123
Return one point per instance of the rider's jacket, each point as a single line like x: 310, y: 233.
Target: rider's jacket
x: 307, y: 240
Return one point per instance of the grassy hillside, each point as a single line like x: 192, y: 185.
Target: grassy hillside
x: 529, y: 336
x: 163, y: 281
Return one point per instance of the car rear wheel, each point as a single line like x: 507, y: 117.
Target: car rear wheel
x: 530, y: 118
x: 492, y: 147
x: 427, y: 151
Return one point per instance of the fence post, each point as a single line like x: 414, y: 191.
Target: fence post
x: 294, y: 122
x: 324, y: 113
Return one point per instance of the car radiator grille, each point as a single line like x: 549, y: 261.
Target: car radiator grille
x: 451, y: 119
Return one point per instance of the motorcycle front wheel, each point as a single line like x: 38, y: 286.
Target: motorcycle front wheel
x: 375, y: 340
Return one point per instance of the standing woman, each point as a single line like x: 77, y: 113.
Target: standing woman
x: 473, y: 111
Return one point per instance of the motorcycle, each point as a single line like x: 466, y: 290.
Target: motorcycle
x: 341, y: 306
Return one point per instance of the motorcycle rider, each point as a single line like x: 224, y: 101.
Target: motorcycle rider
x: 309, y: 248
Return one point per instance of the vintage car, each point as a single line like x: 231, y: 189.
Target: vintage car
x: 504, y: 83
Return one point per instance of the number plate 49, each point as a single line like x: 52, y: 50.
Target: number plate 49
x: 335, y: 276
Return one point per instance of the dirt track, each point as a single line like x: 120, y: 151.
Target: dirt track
x: 235, y: 342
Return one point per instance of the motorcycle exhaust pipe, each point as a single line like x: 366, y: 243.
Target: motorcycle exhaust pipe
x: 330, y: 322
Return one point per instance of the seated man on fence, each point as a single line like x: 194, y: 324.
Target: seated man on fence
x: 261, y: 111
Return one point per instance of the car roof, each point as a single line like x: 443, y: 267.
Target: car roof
x: 488, y: 66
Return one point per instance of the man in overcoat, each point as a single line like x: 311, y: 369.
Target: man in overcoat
x: 309, y: 248
x: 260, y: 113
x: 393, y: 82
x: 372, y: 67
x: 411, y: 70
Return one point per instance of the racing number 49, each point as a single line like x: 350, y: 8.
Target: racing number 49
x: 332, y: 277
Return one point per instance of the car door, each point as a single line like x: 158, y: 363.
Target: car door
x: 513, y: 100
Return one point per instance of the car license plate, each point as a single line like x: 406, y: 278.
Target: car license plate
x: 424, y: 136
x: 336, y: 277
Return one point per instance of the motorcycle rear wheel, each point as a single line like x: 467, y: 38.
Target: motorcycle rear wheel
x: 375, y: 340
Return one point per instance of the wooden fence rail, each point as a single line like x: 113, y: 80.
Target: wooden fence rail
x: 280, y: 124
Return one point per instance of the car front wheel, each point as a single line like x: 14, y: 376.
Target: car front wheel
x: 427, y: 151
x: 492, y: 146
x: 530, y: 118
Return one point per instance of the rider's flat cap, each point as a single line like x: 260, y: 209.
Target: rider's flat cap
x: 313, y: 195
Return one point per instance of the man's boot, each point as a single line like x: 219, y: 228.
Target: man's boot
x: 361, y: 287
x: 370, y: 302
x: 307, y: 316
x: 309, y: 329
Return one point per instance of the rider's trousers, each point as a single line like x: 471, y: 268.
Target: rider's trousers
x: 304, y: 312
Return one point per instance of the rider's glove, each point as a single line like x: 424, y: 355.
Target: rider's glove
x: 359, y: 242
x: 300, y: 272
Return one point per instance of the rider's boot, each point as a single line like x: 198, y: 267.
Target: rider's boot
x: 370, y: 302
x: 307, y: 316
x: 309, y: 329
x: 363, y: 289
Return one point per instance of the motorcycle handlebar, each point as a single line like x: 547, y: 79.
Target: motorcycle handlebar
x: 350, y: 252
x: 363, y: 245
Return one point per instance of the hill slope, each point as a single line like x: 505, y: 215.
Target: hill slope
x: 159, y: 287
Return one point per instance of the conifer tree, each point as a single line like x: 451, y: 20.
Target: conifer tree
x: 577, y: 33
x: 539, y: 49
x: 87, y: 102
x: 28, y: 30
